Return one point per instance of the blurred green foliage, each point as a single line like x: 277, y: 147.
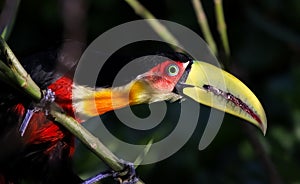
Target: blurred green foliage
x: 265, y: 42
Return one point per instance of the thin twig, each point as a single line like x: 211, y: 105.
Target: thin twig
x: 159, y: 28
x: 8, y: 17
x: 222, y: 26
x: 141, y: 157
x: 201, y: 17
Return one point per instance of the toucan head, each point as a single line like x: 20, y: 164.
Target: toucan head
x: 174, y: 79
x: 205, y: 84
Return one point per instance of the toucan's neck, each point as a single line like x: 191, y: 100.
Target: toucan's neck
x: 92, y: 102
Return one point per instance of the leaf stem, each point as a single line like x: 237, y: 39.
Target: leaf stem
x: 222, y: 26
x: 159, y: 28
x: 202, y: 20
x: 8, y: 17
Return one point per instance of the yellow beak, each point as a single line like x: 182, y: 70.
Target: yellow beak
x: 214, y: 87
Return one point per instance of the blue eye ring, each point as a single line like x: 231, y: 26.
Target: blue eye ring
x: 172, y: 70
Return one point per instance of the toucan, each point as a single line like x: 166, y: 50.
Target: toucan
x: 43, y: 153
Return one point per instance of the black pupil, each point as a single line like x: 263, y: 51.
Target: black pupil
x: 172, y: 69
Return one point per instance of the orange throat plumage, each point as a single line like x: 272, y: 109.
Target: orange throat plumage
x: 89, y: 102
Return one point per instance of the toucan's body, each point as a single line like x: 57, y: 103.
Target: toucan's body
x: 43, y: 153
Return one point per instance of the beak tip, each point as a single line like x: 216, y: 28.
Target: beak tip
x: 262, y: 125
x: 264, y: 128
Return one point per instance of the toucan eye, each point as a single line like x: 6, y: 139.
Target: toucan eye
x: 172, y: 70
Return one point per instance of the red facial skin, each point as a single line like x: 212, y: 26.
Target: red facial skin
x: 166, y: 75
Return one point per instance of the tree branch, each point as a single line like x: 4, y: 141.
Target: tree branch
x: 11, y: 69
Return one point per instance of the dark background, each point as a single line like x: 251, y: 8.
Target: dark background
x: 264, y: 38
